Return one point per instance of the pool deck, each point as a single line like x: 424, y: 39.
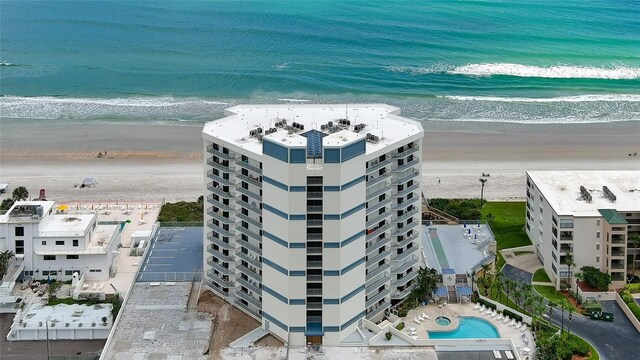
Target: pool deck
x: 453, y: 311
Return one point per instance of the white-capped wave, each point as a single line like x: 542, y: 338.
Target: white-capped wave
x: 577, y: 98
x: 558, y: 71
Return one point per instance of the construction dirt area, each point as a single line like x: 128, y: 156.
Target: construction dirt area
x: 229, y: 324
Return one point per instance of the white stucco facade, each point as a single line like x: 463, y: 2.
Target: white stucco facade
x: 590, y: 226
x: 53, y: 245
x: 312, y: 222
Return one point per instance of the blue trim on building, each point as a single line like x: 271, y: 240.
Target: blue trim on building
x: 352, y: 238
x: 275, y: 321
x: 275, y: 183
x: 298, y: 156
x: 351, y: 267
x: 352, y: 294
x: 332, y: 156
x: 294, y: 329
x: 275, y: 238
x: 297, y: 273
x: 332, y: 188
x: 275, y: 294
x: 352, y: 211
x: 352, y: 183
x: 332, y: 216
x: 331, y: 301
x: 297, y: 188
x: 351, y: 151
x: 275, y: 150
x: 297, y: 302
x: 331, y: 273
x: 273, y: 210
x: 275, y: 266
x: 297, y: 245
x: 350, y: 322
x: 332, y: 329
x: 331, y: 245
x: 298, y: 217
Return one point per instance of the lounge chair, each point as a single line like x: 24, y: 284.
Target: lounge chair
x: 416, y: 321
x: 495, y: 313
x: 524, y: 328
x: 500, y: 317
x: 482, y: 308
x: 425, y: 316
x: 506, y: 319
x: 513, y: 323
x: 488, y: 311
x: 509, y: 355
x: 517, y: 327
x: 477, y: 306
x: 496, y: 354
x: 412, y: 329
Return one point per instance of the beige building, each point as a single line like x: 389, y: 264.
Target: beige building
x: 584, y: 215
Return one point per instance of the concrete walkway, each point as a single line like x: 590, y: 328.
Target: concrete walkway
x: 526, y: 262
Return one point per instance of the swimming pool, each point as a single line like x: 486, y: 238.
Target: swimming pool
x: 470, y: 328
x: 443, y: 320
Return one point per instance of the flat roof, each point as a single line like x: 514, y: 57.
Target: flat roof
x: 65, y: 224
x: 75, y: 315
x: 24, y: 210
x: 456, y: 249
x: 562, y: 190
x: 379, y: 119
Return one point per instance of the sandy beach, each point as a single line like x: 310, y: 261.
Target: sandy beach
x: 164, y: 162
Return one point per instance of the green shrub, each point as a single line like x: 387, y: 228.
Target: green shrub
x: 400, y: 326
x: 464, y: 209
x: 182, y: 211
x: 633, y: 288
x: 487, y: 304
x: 403, y: 312
x: 388, y: 335
x: 512, y: 315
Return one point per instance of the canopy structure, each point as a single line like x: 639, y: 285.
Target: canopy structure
x: 89, y: 182
x: 441, y: 293
x: 463, y: 293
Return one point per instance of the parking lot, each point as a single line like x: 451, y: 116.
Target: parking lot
x: 175, y: 255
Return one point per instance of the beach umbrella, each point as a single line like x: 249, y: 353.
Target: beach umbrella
x: 63, y: 207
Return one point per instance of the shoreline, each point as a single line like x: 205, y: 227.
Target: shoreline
x: 165, y: 162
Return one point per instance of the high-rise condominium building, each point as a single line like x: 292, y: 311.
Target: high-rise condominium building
x: 583, y: 218
x: 312, y: 215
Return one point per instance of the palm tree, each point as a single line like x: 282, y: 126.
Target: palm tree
x: 635, y: 239
x: 5, y: 256
x: 551, y: 307
x: 425, y: 284
x: 6, y: 204
x: 570, y: 309
x: 20, y: 193
x: 482, y: 181
x: 509, y: 286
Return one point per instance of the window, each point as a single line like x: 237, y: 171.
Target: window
x: 95, y: 270
x: 353, y: 150
x: 75, y: 242
x: 275, y: 150
x: 597, y: 259
x: 331, y: 156
x: 19, y: 246
x: 597, y: 247
x: 49, y: 257
x: 49, y: 272
x: 60, y: 242
x: 597, y: 234
x: 73, y: 257
x: 298, y: 156
x: 19, y: 231
x: 44, y: 243
x: 597, y: 222
x: 70, y: 272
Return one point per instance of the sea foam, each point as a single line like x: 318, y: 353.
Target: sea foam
x: 558, y: 71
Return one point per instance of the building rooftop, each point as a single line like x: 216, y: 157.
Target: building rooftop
x: 65, y: 225
x: 27, y: 211
x: 379, y: 120
x: 562, y: 190
x: 66, y: 316
x: 612, y: 216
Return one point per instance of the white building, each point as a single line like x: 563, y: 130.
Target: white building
x: 312, y: 215
x: 49, y: 244
x: 587, y: 214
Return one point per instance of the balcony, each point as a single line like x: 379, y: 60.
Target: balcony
x: 375, y: 219
x: 401, y: 231
x: 218, y: 190
x: 375, y: 232
x: 218, y: 280
x: 314, y: 264
x: 405, y: 152
x: 249, y: 193
x: 221, y: 243
x: 249, y: 246
x: 617, y: 252
x: 405, y: 279
x: 253, y: 207
x: 219, y: 254
x: 314, y: 306
x: 377, y: 297
x: 253, y: 180
x: 314, y: 222
x: 217, y: 203
x: 617, y: 265
x: 374, y: 260
x: 250, y: 259
x: 373, y: 167
x: 401, y: 294
x: 370, y: 288
x: 371, y: 209
x: 377, y: 193
x: 377, y: 309
x: 248, y: 309
x: 403, y: 266
x: 253, y: 300
x: 251, y: 221
x: 380, y: 269
x: 249, y: 167
x: 374, y: 281
x: 618, y: 239
x: 314, y: 250
x: 250, y: 273
x: 406, y: 191
x: 314, y: 208
x: 221, y: 167
x: 617, y: 276
x: 566, y: 248
x: 405, y: 253
x: 219, y: 179
x: 314, y: 194
x: 317, y: 292
x: 374, y: 245
x: 406, y: 165
x: 405, y: 216
x: 250, y: 284
x: 217, y: 266
x: 220, y: 154
x: 564, y: 236
x: 314, y: 278
x: 217, y: 228
x: 405, y: 241
x: 405, y: 178
x: 218, y: 216
x: 314, y: 236
x: 374, y: 180
x: 249, y: 233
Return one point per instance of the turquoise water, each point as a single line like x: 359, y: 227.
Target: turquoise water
x: 444, y: 321
x: 490, y: 60
x: 470, y: 328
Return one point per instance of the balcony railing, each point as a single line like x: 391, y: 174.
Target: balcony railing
x: 398, y: 268
x: 249, y: 167
x: 221, y: 167
x: 377, y: 166
x: 218, y: 280
x: 251, y: 259
x: 253, y: 207
x: 617, y: 266
x: 372, y: 281
x: 250, y: 284
x: 249, y: 233
x: 375, y: 232
x: 401, y: 294
x: 375, y: 245
x: 405, y: 216
x: 380, y: 269
x: 221, y: 243
x: 251, y: 180
x: 617, y: 253
x: 377, y: 310
x: 405, y: 178
x: 405, y: 191
x: 403, y: 256
x: 405, y: 241
x: 248, y: 309
x: 617, y: 239
x: 314, y: 264
x: 249, y: 193
x: 218, y: 266
x: 219, y: 254
x: 374, y: 260
x: 314, y: 306
x: 314, y: 208
x: 377, y: 297
x: 249, y: 272
x: 218, y: 190
x: 405, y: 152
x: 314, y: 250
x: 217, y: 228
x: 251, y: 221
x: 404, y: 280
x: 314, y: 278
x: 314, y: 291
x: 218, y: 216
x: 314, y: 194
x: 370, y: 288
x: 374, y: 180
x: 377, y: 193
x: 404, y: 229
x: 375, y: 219
x: 250, y: 299
x: 220, y: 154
x: 406, y: 165
x: 314, y: 222
x: 248, y: 245
x: 217, y: 203
x: 371, y: 209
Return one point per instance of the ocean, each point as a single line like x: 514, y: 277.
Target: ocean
x: 516, y: 61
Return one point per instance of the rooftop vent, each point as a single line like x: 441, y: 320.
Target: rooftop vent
x: 359, y: 127
x: 611, y: 196
x: 584, y: 193
x: 373, y: 138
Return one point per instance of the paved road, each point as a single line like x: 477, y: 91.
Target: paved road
x: 514, y: 273
x: 613, y: 340
x: 37, y: 350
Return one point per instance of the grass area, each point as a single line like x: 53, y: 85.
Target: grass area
x: 582, y: 342
x: 501, y: 261
x: 508, y: 223
x: 182, y: 211
x: 550, y: 293
x: 541, y: 276
x: 518, y: 253
x: 630, y: 301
